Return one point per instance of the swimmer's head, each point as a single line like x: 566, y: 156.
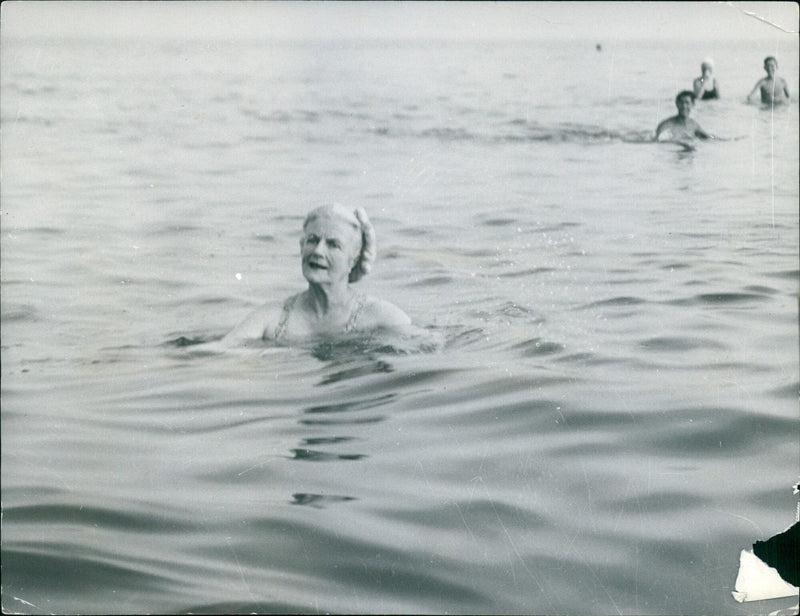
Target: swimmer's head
x: 684, y: 102
x: 685, y: 94
x: 770, y: 64
x: 341, y: 229
x: 707, y: 65
x: 332, y: 211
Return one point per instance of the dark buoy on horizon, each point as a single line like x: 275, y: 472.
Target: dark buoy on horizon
x: 598, y: 47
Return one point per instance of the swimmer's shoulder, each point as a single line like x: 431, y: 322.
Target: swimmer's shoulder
x: 383, y: 316
x: 377, y: 313
x: 665, y: 130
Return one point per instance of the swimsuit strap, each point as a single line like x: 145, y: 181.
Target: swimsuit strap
x: 360, y: 300
x: 287, y: 308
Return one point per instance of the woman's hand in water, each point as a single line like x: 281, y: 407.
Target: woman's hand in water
x: 369, y: 248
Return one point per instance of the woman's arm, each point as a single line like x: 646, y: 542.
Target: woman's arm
x: 258, y: 325
x: 698, y: 87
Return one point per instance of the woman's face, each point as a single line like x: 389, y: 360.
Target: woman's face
x: 329, y: 249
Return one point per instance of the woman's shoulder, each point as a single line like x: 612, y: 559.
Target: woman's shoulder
x: 384, y: 316
x: 378, y: 313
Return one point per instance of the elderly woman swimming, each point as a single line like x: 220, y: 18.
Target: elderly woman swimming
x: 337, y: 248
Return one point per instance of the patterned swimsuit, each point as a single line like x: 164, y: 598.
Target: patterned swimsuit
x: 358, y: 304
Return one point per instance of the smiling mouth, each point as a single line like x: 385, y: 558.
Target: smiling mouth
x: 315, y: 265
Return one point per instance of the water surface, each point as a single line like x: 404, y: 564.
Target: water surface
x: 614, y: 414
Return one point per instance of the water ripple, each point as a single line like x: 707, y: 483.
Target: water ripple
x: 318, y: 501
x: 536, y: 347
x: 314, y: 455
x: 93, y: 516
x: 622, y: 300
x: 680, y: 343
x: 69, y: 570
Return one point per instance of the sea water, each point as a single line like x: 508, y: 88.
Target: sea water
x: 614, y: 413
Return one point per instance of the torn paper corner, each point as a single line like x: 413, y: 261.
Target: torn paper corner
x: 758, y: 581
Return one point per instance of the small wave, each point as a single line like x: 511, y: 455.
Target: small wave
x: 447, y: 134
x: 557, y: 227
x: 281, y: 116
x: 432, y: 281
x: 574, y: 133
x: 370, y: 367
x: 760, y: 289
x: 314, y: 455
x: 721, y: 431
x: 623, y: 300
x: 728, y: 298
x: 457, y: 337
x: 318, y: 501
x: 715, y: 299
x: 789, y: 274
x: 678, y: 343
x: 658, y: 502
x: 19, y: 313
x: 789, y: 392
x: 674, y: 266
x: 500, y: 222
x: 537, y: 347
x: 70, y: 571
x: 347, y: 421
x: 585, y: 359
x: 93, y: 517
x: 34, y: 120
x: 46, y: 231
x: 483, y: 407
x: 31, y: 90
x: 183, y: 341
x: 482, y: 514
x: 162, y: 230
x: 515, y: 310
x: 352, y: 405
x: 527, y: 272
x: 411, y: 232
x: 248, y: 607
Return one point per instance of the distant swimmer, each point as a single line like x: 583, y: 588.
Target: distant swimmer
x: 681, y: 126
x: 336, y: 249
x: 773, y: 88
x: 706, y: 86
